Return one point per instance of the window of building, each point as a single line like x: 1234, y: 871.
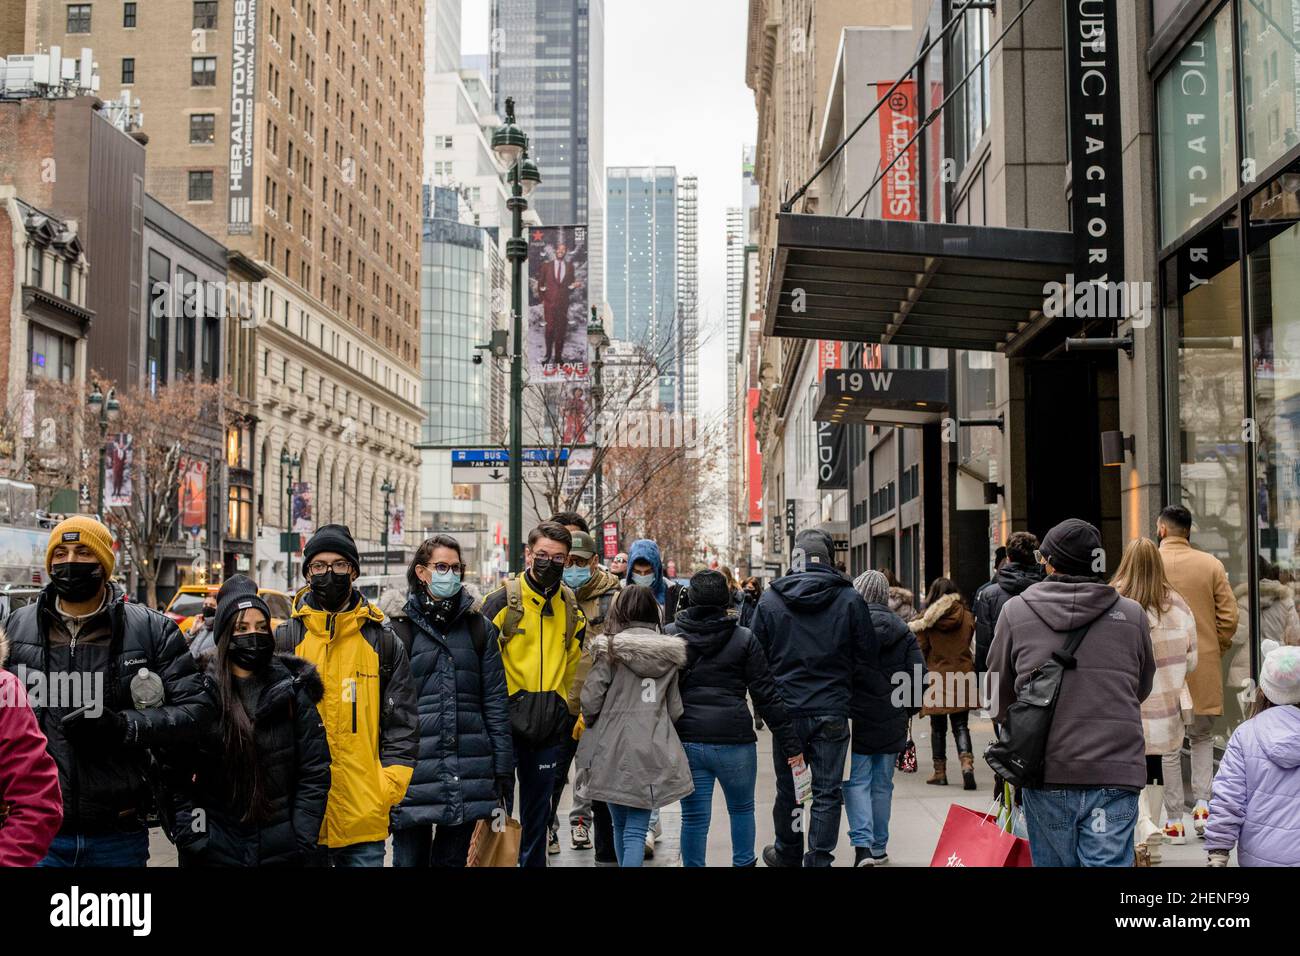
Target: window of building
x: 128, y: 15
x: 205, y: 14
x: 78, y: 18
x: 971, y: 108
x: 200, y: 185
x: 211, y: 348
x: 37, y: 256
x: 50, y: 354
x: 203, y: 71
x: 158, y: 323
x: 239, y: 513
x: 67, y: 280
x: 203, y: 128
x: 128, y: 69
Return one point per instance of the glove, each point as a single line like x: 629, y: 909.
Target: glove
x: 505, y: 787
x: 579, y: 727
x: 1218, y: 858
x: 107, y: 730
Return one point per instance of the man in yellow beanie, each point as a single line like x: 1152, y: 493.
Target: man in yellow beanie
x: 108, y: 680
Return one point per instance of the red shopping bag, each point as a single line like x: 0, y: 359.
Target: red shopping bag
x: 971, y: 838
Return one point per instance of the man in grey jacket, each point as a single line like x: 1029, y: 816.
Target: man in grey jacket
x: 1085, y: 811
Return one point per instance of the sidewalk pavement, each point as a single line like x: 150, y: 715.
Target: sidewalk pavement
x: 918, y: 814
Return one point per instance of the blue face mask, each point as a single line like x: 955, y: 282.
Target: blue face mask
x: 645, y: 580
x: 577, y: 576
x: 443, y: 586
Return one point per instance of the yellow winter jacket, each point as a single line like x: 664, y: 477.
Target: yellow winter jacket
x: 540, y: 664
x: 369, y: 712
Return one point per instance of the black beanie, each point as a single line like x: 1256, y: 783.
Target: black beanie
x: 816, y: 545
x: 708, y: 588
x: 1072, y: 547
x: 332, y: 537
x: 239, y: 593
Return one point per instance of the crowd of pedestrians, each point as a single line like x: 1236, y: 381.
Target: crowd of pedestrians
x: 418, y: 716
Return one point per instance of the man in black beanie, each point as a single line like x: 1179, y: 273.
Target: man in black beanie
x: 369, y: 707
x: 814, y: 628
x: 1096, y: 750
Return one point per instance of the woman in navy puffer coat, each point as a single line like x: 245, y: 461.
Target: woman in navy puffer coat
x: 466, y: 761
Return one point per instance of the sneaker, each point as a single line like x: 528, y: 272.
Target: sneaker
x: 1200, y: 817
x: 880, y: 859
x: 1175, y: 833
x: 862, y: 856
x: 552, y: 841
x: 580, y: 836
x: 649, y: 846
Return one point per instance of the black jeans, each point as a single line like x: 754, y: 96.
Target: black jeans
x: 568, y: 750
x: 421, y: 847
x: 536, y: 771
x: 825, y: 745
x: 603, y: 838
x: 939, y: 733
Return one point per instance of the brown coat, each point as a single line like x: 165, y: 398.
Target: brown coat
x: 1201, y: 580
x: 944, y: 634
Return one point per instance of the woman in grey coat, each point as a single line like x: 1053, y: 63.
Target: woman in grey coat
x: 629, y: 702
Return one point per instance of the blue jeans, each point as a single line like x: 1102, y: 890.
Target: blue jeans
x: 868, y: 799
x: 735, y: 766
x: 1081, y: 827
x: 825, y: 743
x: 630, y: 826
x: 99, y: 850
x: 357, y: 855
x: 536, y: 769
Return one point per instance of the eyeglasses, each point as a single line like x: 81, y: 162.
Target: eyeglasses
x: 542, y: 558
x: 341, y: 566
x: 441, y: 568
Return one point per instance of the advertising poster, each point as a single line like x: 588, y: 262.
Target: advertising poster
x: 397, y: 525
x: 193, y: 504
x: 118, y: 456
x: 556, y: 342
x: 568, y: 412
x: 611, y: 539
x: 303, y: 520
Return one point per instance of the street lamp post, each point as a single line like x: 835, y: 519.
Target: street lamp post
x: 598, y: 342
x: 511, y: 147
x: 108, y: 409
x: 290, y: 463
x: 388, y: 489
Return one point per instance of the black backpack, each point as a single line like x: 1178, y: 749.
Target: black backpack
x: 1019, y: 753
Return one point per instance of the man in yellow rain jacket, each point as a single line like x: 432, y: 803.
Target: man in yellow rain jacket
x: 369, y: 707
x: 542, y: 629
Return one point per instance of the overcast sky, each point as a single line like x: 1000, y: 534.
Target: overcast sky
x: 675, y: 95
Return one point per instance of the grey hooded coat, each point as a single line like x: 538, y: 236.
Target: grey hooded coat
x: 629, y: 704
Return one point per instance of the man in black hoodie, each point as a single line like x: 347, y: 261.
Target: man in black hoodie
x: 814, y: 629
x: 1021, y: 570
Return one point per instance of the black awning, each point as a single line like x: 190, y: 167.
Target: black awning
x: 884, y: 396
x: 938, y: 285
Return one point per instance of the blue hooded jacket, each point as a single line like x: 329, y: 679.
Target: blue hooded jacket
x: 647, y: 550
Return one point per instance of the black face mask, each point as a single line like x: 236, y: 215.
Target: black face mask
x: 209, y: 613
x: 76, y: 581
x: 547, y: 574
x: 252, y: 651
x: 332, y: 590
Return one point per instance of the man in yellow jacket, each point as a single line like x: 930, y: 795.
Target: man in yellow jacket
x: 541, y: 632
x: 369, y: 706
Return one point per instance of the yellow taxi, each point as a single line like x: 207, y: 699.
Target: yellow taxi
x: 186, y: 605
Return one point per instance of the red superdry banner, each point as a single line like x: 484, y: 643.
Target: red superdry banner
x: 902, y: 196
x: 755, y: 476
x: 829, y: 355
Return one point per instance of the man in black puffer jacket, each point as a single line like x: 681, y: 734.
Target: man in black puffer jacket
x: 77, y: 650
x: 1020, y: 572
x: 723, y: 662
x: 813, y: 627
x: 465, y: 767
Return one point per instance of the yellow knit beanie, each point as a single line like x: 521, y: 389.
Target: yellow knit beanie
x: 80, y: 529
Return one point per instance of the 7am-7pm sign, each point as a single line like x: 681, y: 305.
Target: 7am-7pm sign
x: 485, y: 466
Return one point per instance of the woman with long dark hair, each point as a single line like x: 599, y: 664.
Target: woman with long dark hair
x: 465, y: 767
x: 253, y: 792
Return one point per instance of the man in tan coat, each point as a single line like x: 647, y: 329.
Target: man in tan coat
x: 1203, y: 583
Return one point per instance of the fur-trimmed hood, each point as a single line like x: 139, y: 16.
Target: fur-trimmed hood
x: 1270, y: 592
x: 944, y: 614
x: 645, y: 652
x: 290, y: 676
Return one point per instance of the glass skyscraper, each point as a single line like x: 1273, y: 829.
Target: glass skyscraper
x: 550, y: 56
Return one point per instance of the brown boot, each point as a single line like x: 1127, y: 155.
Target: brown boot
x: 968, y: 771
x: 940, y: 776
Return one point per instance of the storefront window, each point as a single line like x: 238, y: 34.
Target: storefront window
x: 1198, y: 143
x: 1209, y: 431
x: 1270, y: 59
x: 1274, y: 268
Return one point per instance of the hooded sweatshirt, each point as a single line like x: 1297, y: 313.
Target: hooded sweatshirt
x: 813, y: 626
x: 1011, y: 579
x: 668, y: 595
x: 1096, y: 737
x: 31, y: 804
x: 1256, y: 802
x: 629, y: 702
